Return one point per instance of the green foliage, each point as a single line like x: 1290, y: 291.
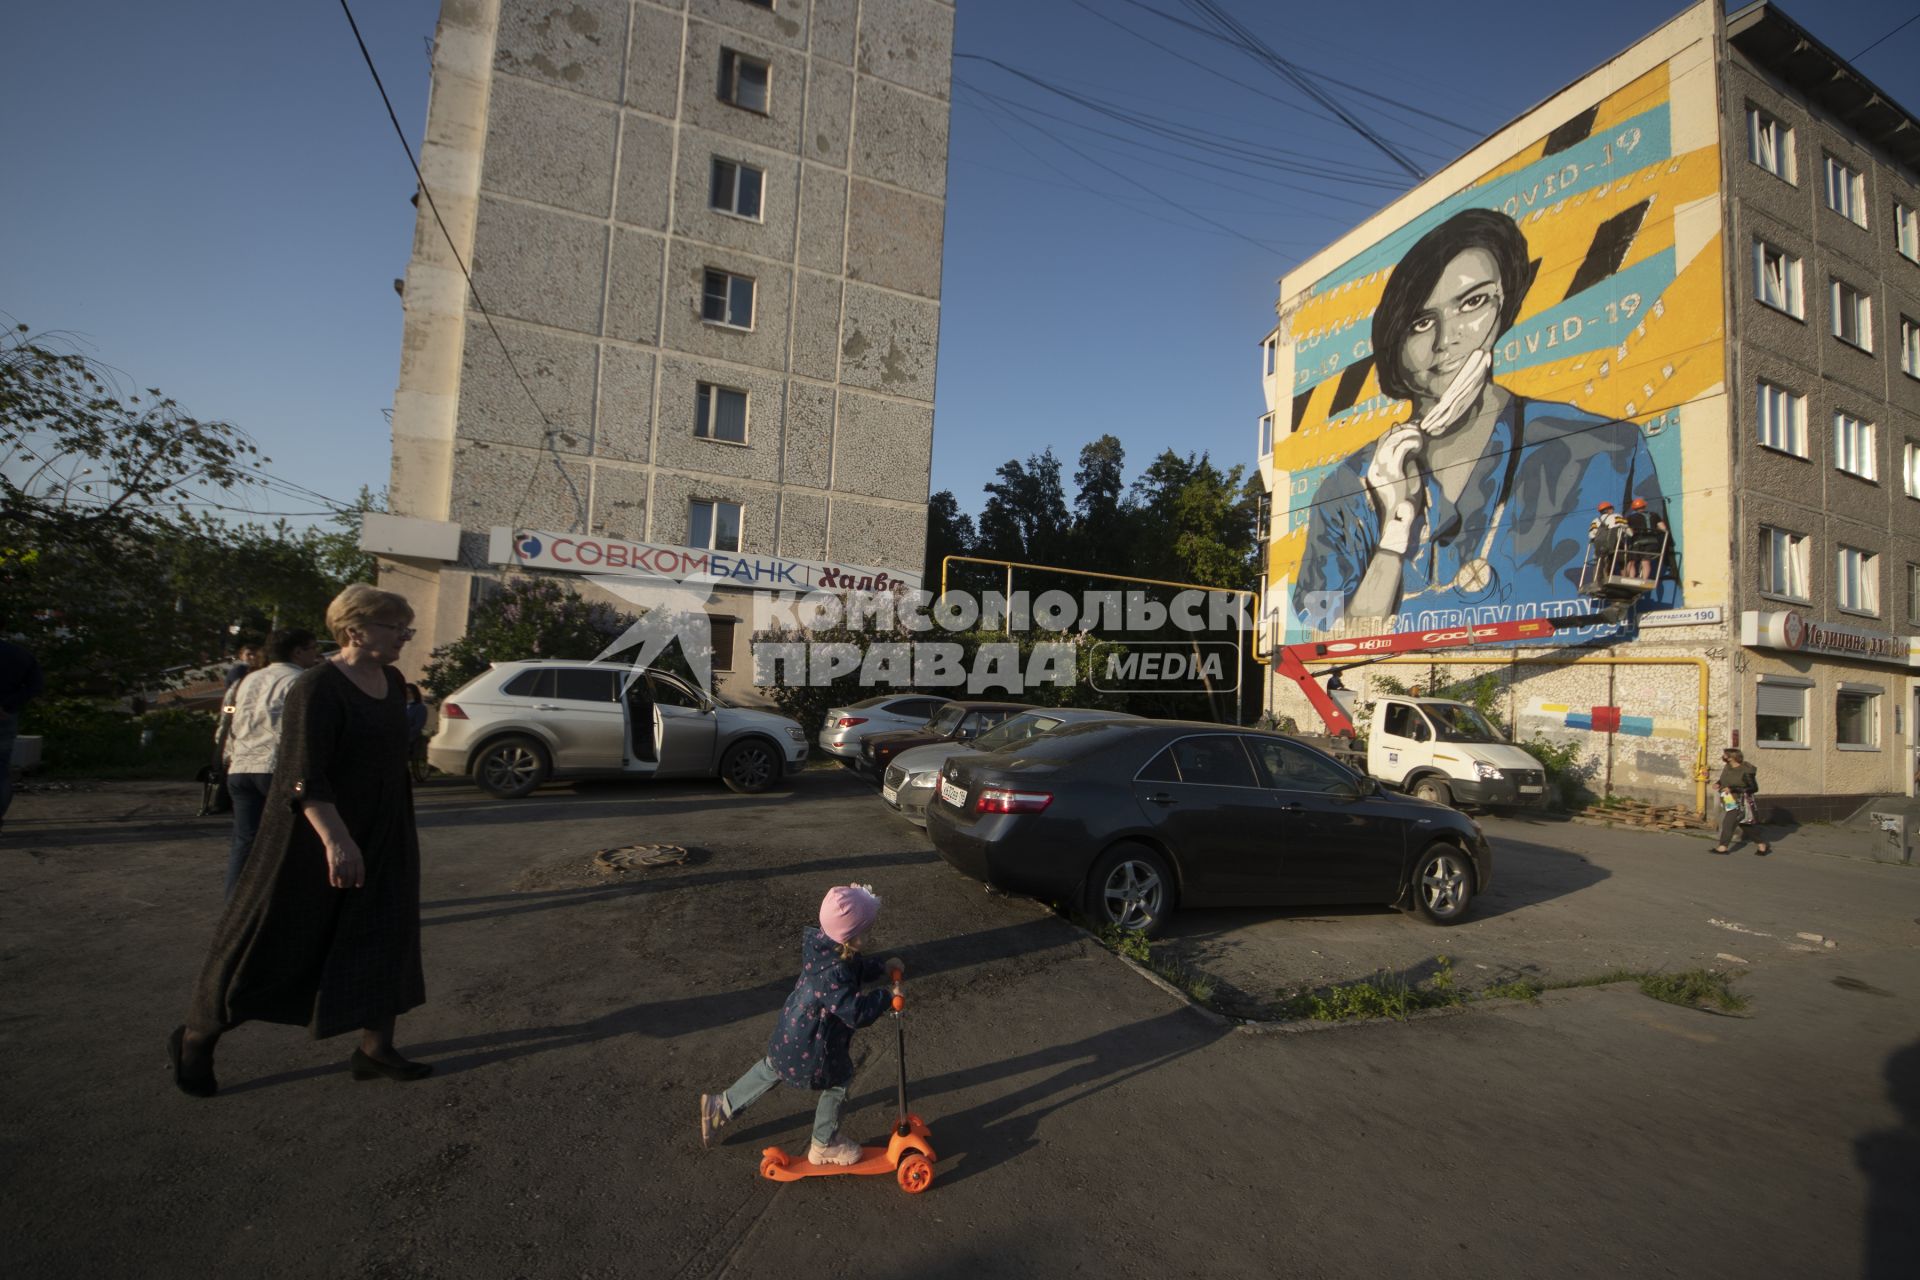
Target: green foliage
x: 1384, y: 996
x: 1564, y: 764
x: 1481, y: 692
x: 86, y: 739
x: 1518, y: 989
x: 528, y: 618
x: 1126, y: 942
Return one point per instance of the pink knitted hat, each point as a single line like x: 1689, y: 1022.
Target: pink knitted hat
x: 848, y: 910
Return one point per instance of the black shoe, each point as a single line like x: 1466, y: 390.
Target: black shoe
x: 198, y: 1084
x: 366, y: 1068
x: 1762, y: 850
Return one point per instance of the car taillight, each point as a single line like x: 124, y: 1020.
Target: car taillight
x: 451, y: 711
x: 1003, y: 800
x: 847, y: 722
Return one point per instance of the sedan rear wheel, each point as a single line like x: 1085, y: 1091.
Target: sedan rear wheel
x: 1130, y: 888
x: 1443, y: 884
x: 511, y: 767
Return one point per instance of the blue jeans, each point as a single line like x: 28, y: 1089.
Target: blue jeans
x: 761, y: 1077
x: 9, y: 729
x: 249, y: 792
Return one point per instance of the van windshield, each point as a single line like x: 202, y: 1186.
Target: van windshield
x: 1460, y: 724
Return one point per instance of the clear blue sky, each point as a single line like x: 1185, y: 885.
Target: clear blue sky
x: 209, y: 194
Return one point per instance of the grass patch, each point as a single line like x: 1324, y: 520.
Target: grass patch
x: 1690, y: 988
x: 1135, y: 947
x: 1383, y: 996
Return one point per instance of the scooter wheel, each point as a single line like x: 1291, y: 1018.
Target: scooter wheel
x: 768, y: 1167
x: 915, y: 1174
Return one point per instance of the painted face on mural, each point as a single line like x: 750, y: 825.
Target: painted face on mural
x: 1461, y: 316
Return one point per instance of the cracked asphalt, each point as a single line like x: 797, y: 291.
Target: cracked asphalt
x: 1086, y: 1122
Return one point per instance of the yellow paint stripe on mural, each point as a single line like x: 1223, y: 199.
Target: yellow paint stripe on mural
x: 1644, y: 94
x: 1557, y: 708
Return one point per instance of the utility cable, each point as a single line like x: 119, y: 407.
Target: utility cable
x: 579, y: 504
x: 1883, y: 39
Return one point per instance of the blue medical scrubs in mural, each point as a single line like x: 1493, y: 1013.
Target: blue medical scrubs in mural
x: 1517, y: 536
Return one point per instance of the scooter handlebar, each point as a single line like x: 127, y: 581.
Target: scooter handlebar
x: 899, y: 1002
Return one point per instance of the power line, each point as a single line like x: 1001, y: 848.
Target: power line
x: 468, y: 276
x: 1883, y: 39
x: 1258, y: 50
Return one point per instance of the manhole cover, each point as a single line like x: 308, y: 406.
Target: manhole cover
x: 639, y: 857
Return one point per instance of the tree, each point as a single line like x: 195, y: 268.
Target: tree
x: 527, y: 618
x: 949, y: 533
x: 1102, y: 522
x: 1025, y: 517
x: 1198, y: 522
x: 96, y: 491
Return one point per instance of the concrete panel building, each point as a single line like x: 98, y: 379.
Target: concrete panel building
x: 1688, y: 281
x: 705, y: 239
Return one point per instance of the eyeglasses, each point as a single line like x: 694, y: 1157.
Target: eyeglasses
x: 399, y: 631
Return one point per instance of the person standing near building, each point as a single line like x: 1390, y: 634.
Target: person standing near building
x: 255, y: 737
x: 246, y: 659
x: 20, y: 683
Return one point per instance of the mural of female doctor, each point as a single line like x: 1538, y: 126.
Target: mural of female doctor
x: 1481, y: 497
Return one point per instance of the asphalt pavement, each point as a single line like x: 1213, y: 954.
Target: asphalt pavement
x: 1086, y: 1121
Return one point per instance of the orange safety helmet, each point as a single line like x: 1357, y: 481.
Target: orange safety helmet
x: 1639, y: 504
x: 1605, y: 506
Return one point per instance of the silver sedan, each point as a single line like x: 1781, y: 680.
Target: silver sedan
x: 910, y: 779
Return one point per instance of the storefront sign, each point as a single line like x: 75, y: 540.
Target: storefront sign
x: 1683, y: 617
x: 1797, y: 634
x: 577, y: 553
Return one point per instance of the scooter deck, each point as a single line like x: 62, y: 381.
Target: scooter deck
x: 872, y: 1160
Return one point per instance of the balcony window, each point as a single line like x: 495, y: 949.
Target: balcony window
x: 1783, y: 419
x: 1855, y: 446
x: 1846, y: 191
x: 1776, y: 279
x: 1783, y: 563
x: 1770, y: 145
x: 1852, y: 316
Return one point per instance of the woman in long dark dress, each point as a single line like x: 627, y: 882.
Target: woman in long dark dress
x: 323, y: 930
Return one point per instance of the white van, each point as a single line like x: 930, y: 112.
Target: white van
x: 1445, y: 751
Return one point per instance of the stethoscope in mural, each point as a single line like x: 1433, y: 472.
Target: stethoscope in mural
x: 1398, y: 523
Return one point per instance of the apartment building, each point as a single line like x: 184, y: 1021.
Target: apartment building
x: 705, y: 245
x: 1687, y: 287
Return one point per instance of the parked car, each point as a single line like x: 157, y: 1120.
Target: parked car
x: 1126, y: 820
x: 909, y: 781
x: 957, y: 722
x: 847, y: 727
x: 519, y: 723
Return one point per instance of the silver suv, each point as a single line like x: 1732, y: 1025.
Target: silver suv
x: 519, y: 723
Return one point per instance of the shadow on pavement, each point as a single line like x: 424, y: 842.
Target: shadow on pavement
x: 1890, y: 1158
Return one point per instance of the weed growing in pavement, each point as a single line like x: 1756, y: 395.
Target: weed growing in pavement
x: 1387, y: 996
x: 1135, y: 947
x: 1692, y: 988
x: 1518, y: 989
x: 1125, y: 942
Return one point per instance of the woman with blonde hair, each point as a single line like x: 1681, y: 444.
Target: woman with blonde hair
x: 323, y: 929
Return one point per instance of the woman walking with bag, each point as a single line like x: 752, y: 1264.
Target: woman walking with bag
x: 1739, y: 782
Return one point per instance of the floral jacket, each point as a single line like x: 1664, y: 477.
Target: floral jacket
x: 809, y: 1046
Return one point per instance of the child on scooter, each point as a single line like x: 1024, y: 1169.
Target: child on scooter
x: 809, y: 1045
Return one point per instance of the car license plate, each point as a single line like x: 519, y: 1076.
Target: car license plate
x: 1529, y: 790
x: 889, y: 794
x: 952, y: 794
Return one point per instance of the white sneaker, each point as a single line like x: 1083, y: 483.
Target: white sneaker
x: 842, y: 1151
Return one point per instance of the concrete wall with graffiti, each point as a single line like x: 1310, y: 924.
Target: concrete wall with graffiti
x: 1461, y: 381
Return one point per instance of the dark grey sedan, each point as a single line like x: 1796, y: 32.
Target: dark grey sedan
x: 1125, y: 820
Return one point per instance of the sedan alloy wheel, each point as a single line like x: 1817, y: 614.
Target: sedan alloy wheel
x: 1443, y: 884
x: 1130, y: 889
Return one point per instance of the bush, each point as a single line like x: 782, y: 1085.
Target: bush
x: 527, y: 618
x: 1566, y: 772
x: 85, y: 739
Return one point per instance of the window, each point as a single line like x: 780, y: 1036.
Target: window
x: 1853, y: 447
x: 735, y: 188
x: 1271, y: 348
x: 1776, y: 279
x: 720, y: 413
x: 1858, y: 581
x: 1852, y: 316
x: 1910, y: 346
x: 1780, y: 714
x: 1846, y: 192
x: 1262, y: 516
x: 744, y: 80
x: 727, y: 299
x: 537, y: 683
x: 1783, y: 420
x: 1294, y: 768
x: 579, y: 684
x: 1405, y: 722
x: 1783, y: 563
x: 713, y: 525
x: 1213, y: 761
x: 1856, y: 716
x: 1266, y: 434
x: 1906, y: 233
x: 671, y: 693
x: 722, y: 643
x: 1770, y: 145
x: 1913, y: 594
x: 1910, y: 468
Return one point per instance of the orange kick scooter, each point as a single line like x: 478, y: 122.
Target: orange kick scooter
x: 908, y: 1154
